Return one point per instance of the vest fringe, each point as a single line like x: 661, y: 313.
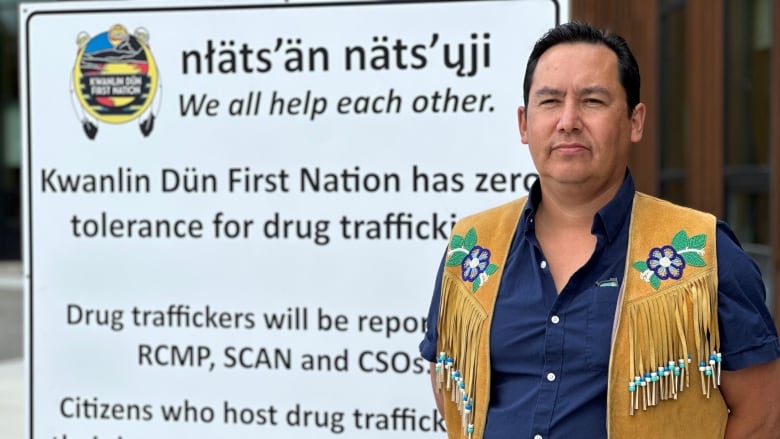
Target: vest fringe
x: 461, y: 319
x: 658, y: 335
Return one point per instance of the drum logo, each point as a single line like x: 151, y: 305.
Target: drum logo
x: 115, y: 80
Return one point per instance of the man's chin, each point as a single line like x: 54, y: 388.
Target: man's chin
x: 569, y: 176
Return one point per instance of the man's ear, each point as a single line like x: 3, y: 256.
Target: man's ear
x: 522, y: 124
x: 637, y: 122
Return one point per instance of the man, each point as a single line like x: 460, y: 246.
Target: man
x: 591, y: 311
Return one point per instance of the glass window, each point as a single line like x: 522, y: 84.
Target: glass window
x: 673, y: 118
x: 10, y: 136
x: 747, y: 168
x: 10, y: 149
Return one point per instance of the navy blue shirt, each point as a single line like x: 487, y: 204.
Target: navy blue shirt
x: 549, y: 352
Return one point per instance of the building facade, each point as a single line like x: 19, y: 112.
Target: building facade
x: 711, y: 80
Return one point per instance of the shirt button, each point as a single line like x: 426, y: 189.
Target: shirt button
x: 543, y: 265
x: 550, y: 377
x: 555, y: 319
x: 538, y: 436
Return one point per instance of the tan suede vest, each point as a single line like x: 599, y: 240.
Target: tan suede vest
x: 667, y: 312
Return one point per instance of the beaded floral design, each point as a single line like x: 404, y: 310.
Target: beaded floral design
x: 669, y: 261
x: 474, y: 260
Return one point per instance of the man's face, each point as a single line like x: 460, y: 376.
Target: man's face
x: 576, y: 123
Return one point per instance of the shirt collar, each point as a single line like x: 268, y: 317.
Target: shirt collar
x: 608, y: 221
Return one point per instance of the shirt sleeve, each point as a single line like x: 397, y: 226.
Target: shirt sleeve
x: 428, y: 344
x: 747, y: 332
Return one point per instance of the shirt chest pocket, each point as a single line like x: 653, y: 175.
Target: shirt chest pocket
x: 601, y: 316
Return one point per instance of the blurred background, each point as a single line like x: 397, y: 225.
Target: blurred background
x: 711, y: 80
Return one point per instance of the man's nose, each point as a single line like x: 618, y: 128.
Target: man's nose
x: 569, y: 117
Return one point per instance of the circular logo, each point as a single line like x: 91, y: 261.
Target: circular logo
x: 115, y: 76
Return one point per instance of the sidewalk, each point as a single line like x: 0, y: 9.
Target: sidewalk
x: 11, y: 399
x: 11, y: 363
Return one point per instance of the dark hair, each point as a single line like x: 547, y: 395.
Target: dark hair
x: 578, y: 32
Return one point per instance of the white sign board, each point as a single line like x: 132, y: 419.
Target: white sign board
x: 235, y: 211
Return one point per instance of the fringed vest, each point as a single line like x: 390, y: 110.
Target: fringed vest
x: 664, y: 368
